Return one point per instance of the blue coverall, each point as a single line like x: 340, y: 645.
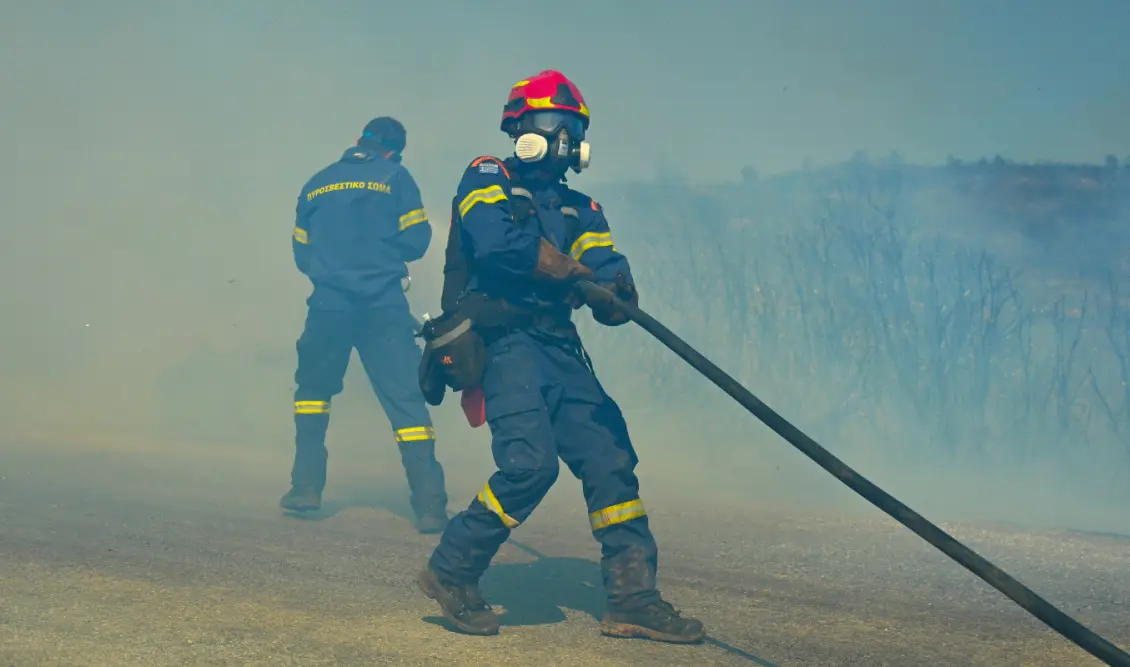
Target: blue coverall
x: 358, y: 222
x: 543, y: 400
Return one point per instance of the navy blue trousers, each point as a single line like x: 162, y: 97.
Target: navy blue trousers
x: 384, y: 338
x: 543, y: 403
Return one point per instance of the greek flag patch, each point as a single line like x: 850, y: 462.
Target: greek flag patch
x: 488, y: 167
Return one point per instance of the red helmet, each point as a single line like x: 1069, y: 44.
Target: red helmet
x: 547, y: 91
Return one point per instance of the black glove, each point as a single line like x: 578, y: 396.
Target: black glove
x: 605, y: 311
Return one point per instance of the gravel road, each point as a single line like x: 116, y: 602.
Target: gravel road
x: 152, y: 558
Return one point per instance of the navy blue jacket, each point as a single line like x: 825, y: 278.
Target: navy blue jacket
x: 358, y: 222
x: 502, y: 254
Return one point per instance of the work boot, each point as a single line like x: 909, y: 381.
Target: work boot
x: 463, y: 606
x: 301, y: 499
x: 308, y: 474
x: 427, y: 494
x: 430, y: 523
x: 658, y: 621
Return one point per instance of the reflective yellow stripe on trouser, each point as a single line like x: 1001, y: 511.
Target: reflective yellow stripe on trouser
x: 610, y: 516
x: 311, y: 407
x: 415, y: 434
x: 487, y: 498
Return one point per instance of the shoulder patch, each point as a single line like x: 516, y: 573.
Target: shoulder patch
x: 487, y: 164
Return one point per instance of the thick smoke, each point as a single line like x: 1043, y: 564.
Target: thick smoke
x: 151, y: 154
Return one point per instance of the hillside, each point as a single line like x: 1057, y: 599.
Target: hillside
x: 970, y: 311
x: 1072, y: 216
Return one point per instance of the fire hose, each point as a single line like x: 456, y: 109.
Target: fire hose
x: 1023, y: 596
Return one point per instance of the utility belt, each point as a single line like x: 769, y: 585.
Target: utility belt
x: 455, y: 343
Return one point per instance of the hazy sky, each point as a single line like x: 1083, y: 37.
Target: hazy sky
x: 707, y: 86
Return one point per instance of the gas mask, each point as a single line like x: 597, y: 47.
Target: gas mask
x: 553, y: 137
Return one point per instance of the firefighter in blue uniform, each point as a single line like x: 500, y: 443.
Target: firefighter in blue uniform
x: 359, y: 221
x: 524, y: 237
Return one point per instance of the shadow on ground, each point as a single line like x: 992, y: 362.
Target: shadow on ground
x: 529, y: 594
x: 538, y: 592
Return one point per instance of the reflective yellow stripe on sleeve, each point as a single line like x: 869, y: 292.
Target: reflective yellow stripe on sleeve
x: 415, y: 434
x: 610, y: 516
x: 301, y: 236
x: 412, y: 218
x: 590, y: 240
x: 486, y: 497
x: 488, y: 195
x: 311, y: 407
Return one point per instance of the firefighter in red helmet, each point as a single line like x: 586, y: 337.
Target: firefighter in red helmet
x: 519, y: 240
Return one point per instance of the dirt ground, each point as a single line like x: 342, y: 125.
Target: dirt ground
x: 117, y: 558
